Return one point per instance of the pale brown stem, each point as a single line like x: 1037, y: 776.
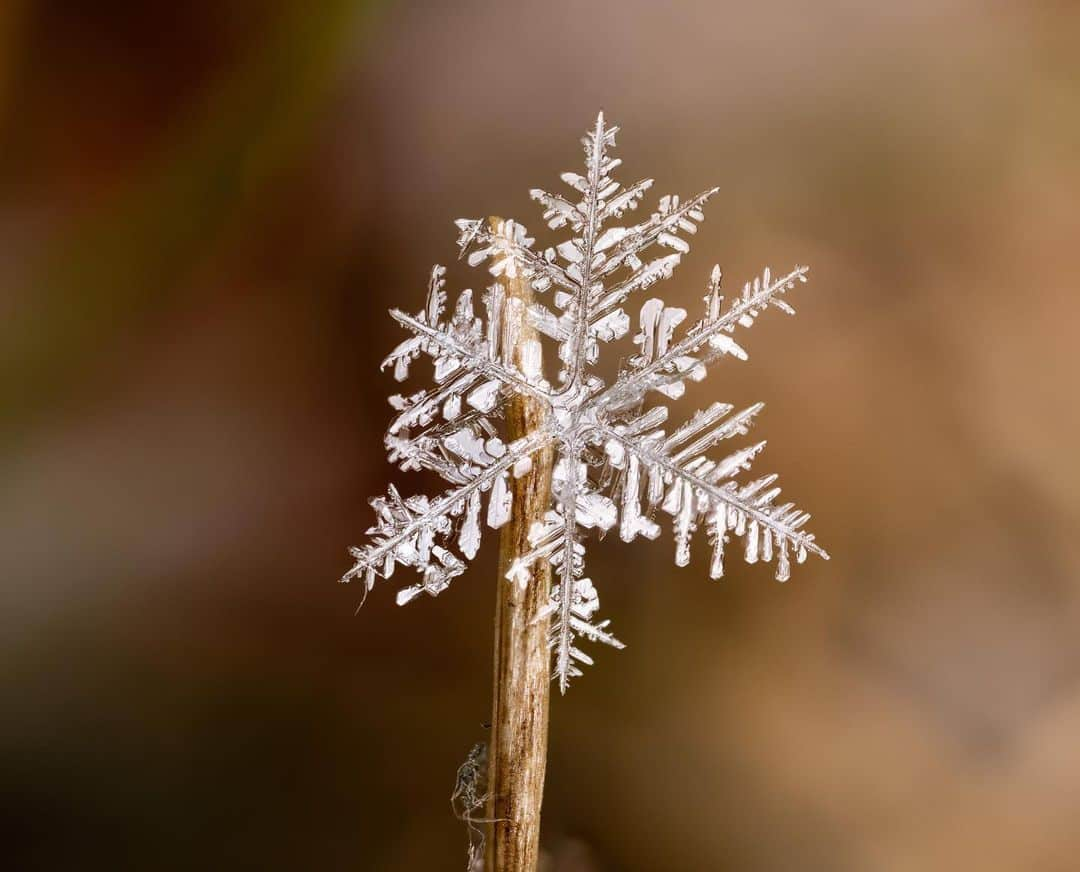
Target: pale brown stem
x: 519, y: 721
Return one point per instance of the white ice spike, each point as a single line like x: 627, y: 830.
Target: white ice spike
x: 620, y: 465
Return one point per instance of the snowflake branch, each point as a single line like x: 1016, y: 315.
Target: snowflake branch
x: 675, y: 362
x: 371, y: 558
x: 568, y: 571
x: 662, y: 226
x: 468, y: 356
x: 555, y: 541
x: 575, y: 350
x: 506, y: 254
x: 455, y: 449
x: 780, y: 520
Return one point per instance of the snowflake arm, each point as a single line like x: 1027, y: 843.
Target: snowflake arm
x: 460, y: 344
x: 573, y: 617
x: 597, y: 183
x: 510, y: 250
x: 570, y: 569
x: 671, y: 218
x: 574, y: 600
x: 474, y: 378
x: 663, y: 367
x: 441, y: 344
x: 415, y: 531
x: 592, y: 310
x: 690, y: 487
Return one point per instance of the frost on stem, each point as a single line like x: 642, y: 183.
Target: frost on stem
x: 619, y: 464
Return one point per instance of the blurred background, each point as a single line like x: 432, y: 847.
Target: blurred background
x: 206, y: 209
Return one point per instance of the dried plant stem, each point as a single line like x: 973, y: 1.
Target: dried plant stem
x: 519, y: 722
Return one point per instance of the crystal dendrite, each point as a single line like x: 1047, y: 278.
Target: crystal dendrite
x: 618, y: 465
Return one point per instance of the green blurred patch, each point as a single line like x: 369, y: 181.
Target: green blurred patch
x: 90, y: 286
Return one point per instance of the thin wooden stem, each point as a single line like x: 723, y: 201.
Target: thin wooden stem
x: 519, y: 722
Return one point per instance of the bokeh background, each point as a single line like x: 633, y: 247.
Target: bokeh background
x: 205, y: 210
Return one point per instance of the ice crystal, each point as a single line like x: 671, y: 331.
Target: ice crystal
x: 617, y: 466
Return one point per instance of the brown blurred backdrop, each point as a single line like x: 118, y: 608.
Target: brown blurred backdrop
x: 206, y: 209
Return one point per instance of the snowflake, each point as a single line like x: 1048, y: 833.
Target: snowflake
x: 615, y: 465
